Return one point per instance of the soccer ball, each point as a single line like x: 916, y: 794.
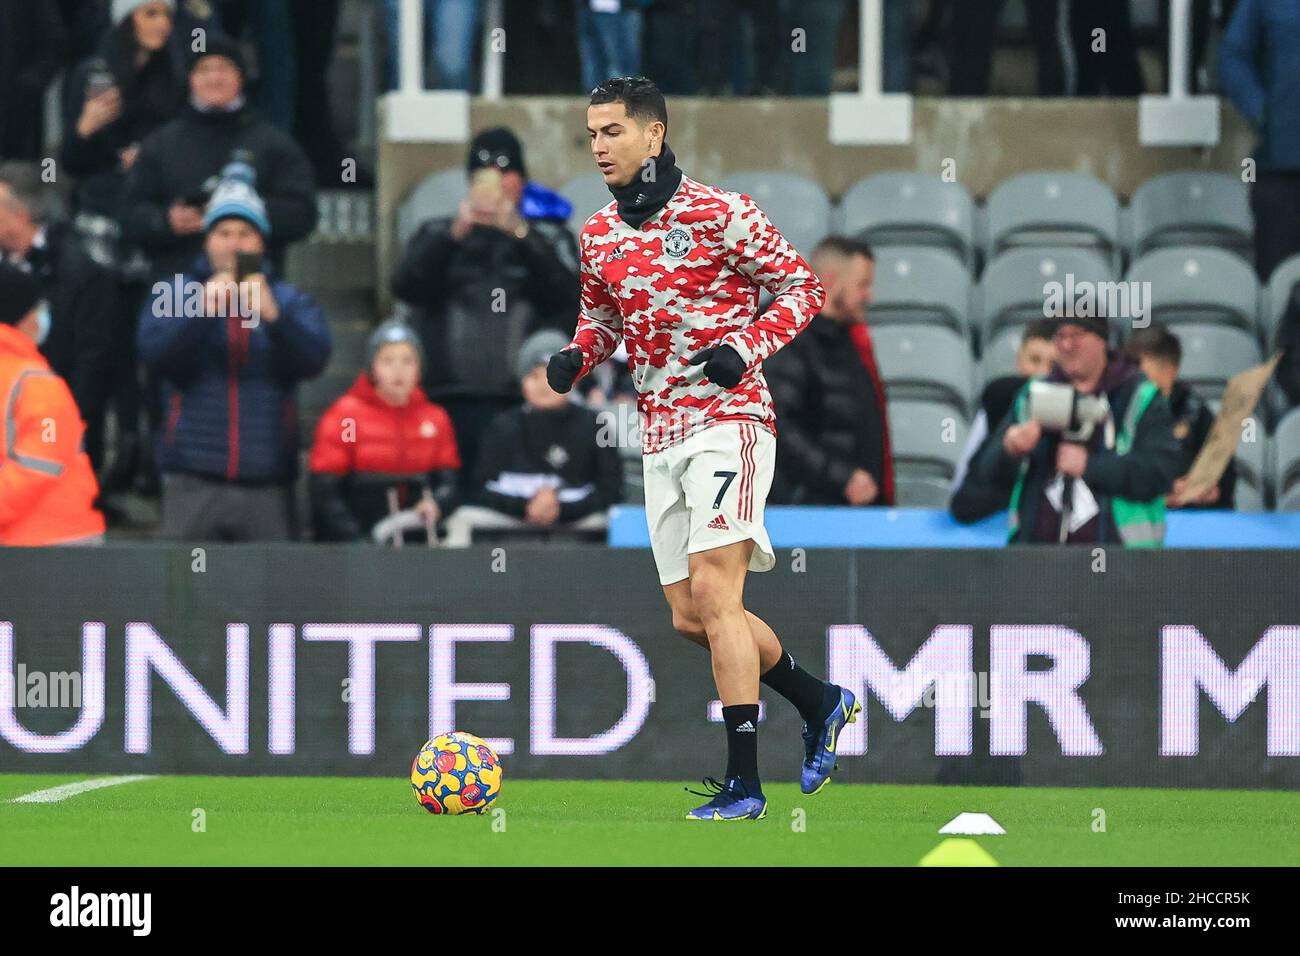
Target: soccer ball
x: 456, y: 773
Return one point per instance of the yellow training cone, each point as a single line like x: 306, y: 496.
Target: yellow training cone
x: 955, y: 852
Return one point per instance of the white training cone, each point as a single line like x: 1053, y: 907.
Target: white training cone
x: 972, y: 824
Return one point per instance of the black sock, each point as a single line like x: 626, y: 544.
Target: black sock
x: 813, y: 698
x: 741, y: 721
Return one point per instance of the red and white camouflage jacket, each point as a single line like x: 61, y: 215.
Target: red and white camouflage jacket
x: 690, y: 279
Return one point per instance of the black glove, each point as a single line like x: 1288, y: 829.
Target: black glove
x: 563, y: 368
x: 722, y: 365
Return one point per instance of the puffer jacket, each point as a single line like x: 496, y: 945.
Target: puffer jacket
x: 229, y: 392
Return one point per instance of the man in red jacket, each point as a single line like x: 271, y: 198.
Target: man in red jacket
x: 47, y: 487
x: 385, y: 457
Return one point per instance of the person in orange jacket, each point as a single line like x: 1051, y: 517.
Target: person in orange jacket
x: 47, y: 487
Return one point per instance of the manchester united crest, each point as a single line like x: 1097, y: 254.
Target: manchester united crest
x: 677, y: 243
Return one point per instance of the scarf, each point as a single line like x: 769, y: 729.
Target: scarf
x: 640, y: 199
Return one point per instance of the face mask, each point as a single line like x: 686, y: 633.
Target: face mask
x: 43, y: 322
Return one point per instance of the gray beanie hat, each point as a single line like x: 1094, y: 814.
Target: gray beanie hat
x: 538, y: 349
x: 392, y: 332
x: 124, y: 8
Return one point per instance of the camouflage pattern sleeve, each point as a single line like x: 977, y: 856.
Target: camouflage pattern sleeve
x: 759, y: 252
x: 600, y: 321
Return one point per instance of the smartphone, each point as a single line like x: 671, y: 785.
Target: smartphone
x: 99, y: 80
x: 247, y: 264
x: 486, y: 183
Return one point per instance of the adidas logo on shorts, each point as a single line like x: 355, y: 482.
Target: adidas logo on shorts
x: 719, y: 523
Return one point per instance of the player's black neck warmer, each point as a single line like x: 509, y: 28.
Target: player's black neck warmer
x: 645, y: 195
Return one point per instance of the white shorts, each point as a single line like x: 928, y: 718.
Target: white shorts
x: 709, y: 491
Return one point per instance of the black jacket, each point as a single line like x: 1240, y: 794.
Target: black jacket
x: 973, y: 500
x: 479, y: 299
x: 1147, y: 472
x: 1192, y: 423
x: 828, y: 422
x: 525, y: 449
x: 80, y: 293
x: 181, y: 161
x: 32, y: 44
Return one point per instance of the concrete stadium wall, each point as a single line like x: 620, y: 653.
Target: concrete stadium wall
x: 989, y: 140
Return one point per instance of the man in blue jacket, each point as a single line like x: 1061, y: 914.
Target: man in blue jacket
x: 1259, y: 66
x: 230, y: 344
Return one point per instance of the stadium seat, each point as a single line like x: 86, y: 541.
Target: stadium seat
x: 438, y: 195
x: 1253, y: 472
x: 1052, y: 209
x: 999, y: 357
x: 921, y: 491
x: 926, y: 438
x: 1011, y: 292
x: 797, y: 206
x: 1200, y: 285
x: 925, y: 362
x: 899, y: 209
x: 589, y: 195
x: 1286, y: 462
x: 1212, y: 354
x: 917, y: 285
x: 1275, y: 296
x: 1192, y: 209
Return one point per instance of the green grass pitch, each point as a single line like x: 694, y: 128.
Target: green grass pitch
x: 318, y: 821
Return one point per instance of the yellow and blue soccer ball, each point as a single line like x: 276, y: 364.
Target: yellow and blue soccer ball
x: 456, y: 773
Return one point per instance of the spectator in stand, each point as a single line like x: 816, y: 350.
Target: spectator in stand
x: 972, y: 29
x: 972, y: 501
x: 451, y: 27
x: 1160, y: 354
x: 1259, y: 68
x: 383, y: 452
x: 833, y: 436
x: 229, y: 449
x: 32, y: 52
x: 609, y: 39
x: 1106, y: 62
x: 542, y: 465
x: 812, y: 69
x: 131, y: 86
x: 79, y: 292
x: 1119, y: 477
x: 47, y: 487
x: 180, y: 164
x: 482, y: 281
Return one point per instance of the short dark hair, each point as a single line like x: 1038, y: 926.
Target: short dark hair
x: 1157, y: 342
x: 845, y: 247
x: 25, y: 187
x: 1039, y: 329
x: 639, y: 96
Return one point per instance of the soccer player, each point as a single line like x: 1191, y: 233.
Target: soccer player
x: 674, y: 269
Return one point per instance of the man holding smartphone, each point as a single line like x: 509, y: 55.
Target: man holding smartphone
x: 483, y: 280
x: 230, y: 353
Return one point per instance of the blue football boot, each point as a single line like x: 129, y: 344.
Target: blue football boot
x: 730, y: 801
x: 819, y: 744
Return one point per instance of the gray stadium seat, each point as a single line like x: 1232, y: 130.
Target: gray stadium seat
x: 1200, y: 285
x: 1192, y: 209
x: 1212, y: 354
x: 1286, y: 462
x: 926, y: 438
x: 1011, y: 289
x: 438, y: 195
x: 925, y: 362
x: 917, y: 285
x: 797, y: 206
x: 1052, y: 209
x: 899, y: 209
x: 921, y: 491
x: 1275, y: 296
x: 999, y: 356
x: 589, y: 195
x: 1254, y: 475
